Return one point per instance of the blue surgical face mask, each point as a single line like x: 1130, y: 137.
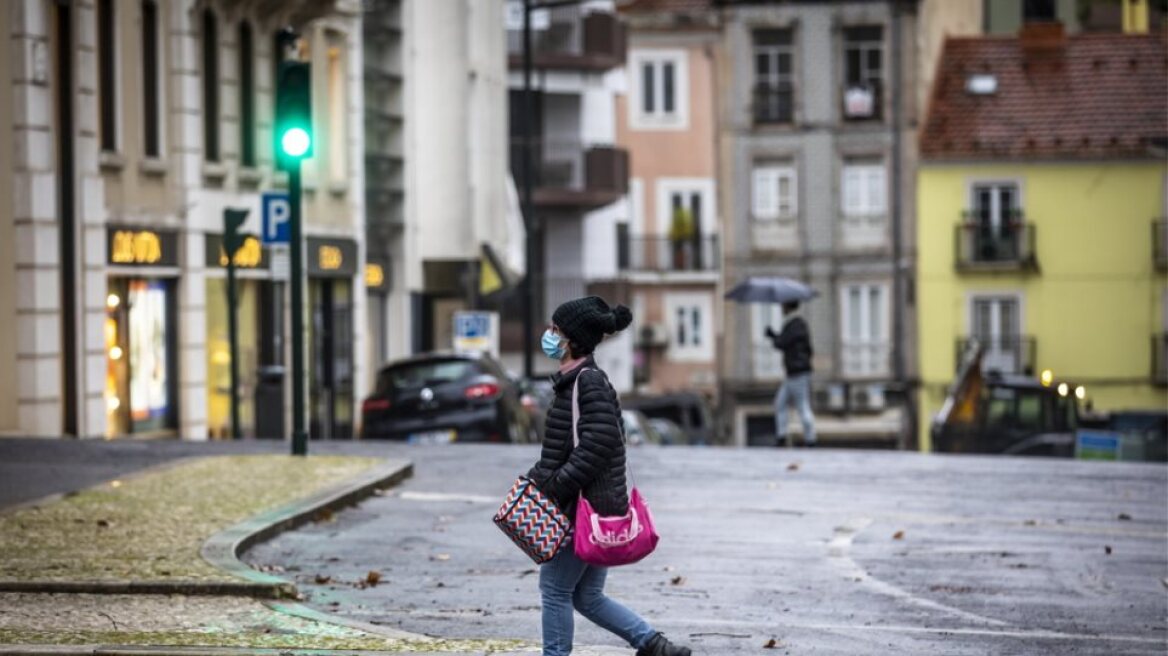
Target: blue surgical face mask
x: 552, y: 345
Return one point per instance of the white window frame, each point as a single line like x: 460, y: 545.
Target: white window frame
x: 864, y: 224
x: 875, y: 344
x: 637, y: 203
x: 336, y: 83
x: 766, y: 175
x: 766, y: 361
x: 701, y: 348
x: 658, y: 119
x: 866, y: 208
x: 1014, y: 295
x: 703, y: 187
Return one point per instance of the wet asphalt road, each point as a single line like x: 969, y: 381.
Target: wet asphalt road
x: 845, y: 553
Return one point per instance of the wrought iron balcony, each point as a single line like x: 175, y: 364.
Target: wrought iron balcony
x: 981, y: 245
x: 571, y: 174
x: 1160, y: 243
x: 662, y: 254
x: 1006, y: 354
x: 773, y: 103
x: 570, y: 37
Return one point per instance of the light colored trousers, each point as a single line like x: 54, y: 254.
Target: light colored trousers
x: 797, y: 390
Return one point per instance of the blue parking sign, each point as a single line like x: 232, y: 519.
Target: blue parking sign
x: 276, y: 211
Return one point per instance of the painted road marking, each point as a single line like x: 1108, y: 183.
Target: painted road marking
x: 444, y: 496
x: 838, y: 550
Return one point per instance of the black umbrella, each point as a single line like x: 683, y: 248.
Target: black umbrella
x: 770, y: 290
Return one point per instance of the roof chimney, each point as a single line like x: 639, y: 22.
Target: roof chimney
x: 1042, y: 37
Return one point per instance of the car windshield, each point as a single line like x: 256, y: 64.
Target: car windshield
x: 425, y: 374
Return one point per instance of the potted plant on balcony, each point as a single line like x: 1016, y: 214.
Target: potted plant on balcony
x: 681, y: 235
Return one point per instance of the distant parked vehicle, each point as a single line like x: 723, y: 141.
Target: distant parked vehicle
x: 670, y: 433
x: 536, y: 396
x: 688, y: 411
x: 638, y: 429
x: 445, y: 397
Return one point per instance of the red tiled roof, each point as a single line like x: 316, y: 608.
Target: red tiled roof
x: 662, y: 6
x: 1095, y: 96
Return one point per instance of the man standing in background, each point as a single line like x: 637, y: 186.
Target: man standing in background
x: 795, y: 343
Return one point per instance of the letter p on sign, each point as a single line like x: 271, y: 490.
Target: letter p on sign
x: 277, y: 211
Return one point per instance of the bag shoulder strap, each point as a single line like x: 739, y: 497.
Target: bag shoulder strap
x: 576, y: 425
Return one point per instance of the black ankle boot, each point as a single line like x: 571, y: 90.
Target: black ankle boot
x: 659, y: 646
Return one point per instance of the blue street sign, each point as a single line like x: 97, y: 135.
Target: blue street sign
x: 276, y: 211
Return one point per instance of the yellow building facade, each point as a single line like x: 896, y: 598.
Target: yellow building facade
x: 1080, y: 291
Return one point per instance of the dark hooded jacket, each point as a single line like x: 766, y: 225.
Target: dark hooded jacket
x: 597, y: 466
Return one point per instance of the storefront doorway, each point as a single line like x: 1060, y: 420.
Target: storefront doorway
x: 332, y: 265
x: 259, y: 310
x: 141, y: 381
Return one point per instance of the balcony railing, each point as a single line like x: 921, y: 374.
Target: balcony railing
x: 1160, y: 359
x: 865, y: 359
x: 1160, y: 243
x: 1009, y: 245
x: 661, y: 254
x: 571, y: 37
x: 774, y: 103
x: 1009, y: 354
x: 572, y: 174
x: 863, y: 102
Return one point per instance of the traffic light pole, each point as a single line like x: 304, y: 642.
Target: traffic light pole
x: 233, y: 338
x: 299, y: 433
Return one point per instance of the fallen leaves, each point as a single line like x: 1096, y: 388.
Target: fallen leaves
x: 440, y: 558
x: 794, y: 466
x: 1107, y: 549
x: 899, y: 535
x: 322, y: 579
x: 373, y: 578
x: 772, y: 644
x: 1124, y: 517
x: 677, y: 580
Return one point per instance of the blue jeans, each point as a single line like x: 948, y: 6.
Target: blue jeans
x: 566, y: 582
x: 795, y: 389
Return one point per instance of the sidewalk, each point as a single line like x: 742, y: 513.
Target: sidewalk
x: 147, y: 563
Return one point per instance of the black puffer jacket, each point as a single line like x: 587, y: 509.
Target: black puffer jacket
x: 598, y: 466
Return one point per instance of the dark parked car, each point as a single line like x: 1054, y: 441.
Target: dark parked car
x: 445, y: 397
x: 689, y: 411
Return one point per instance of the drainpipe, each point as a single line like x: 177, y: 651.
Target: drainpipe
x: 898, y: 309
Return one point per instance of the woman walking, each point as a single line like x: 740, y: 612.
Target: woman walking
x: 595, y: 468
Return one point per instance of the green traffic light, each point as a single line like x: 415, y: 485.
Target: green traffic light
x: 295, y: 142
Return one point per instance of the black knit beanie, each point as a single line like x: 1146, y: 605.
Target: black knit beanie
x: 585, y: 322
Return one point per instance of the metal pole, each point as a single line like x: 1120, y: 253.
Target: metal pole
x: 531, y: 234
x: 233, y: 341
x: 299, y: 434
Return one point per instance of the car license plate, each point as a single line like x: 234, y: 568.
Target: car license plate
x: 433, y: 437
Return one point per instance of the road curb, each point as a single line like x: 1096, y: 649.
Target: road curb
x: 224, y: 548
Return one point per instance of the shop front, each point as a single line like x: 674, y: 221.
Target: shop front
x: 376, y: 312
x: 332, y: 267
x: 259, y: 314
x: 140, y: 332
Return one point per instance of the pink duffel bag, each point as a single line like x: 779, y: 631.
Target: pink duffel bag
x: 611, y: 541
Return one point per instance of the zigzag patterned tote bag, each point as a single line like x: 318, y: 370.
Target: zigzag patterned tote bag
x: 533, y: 521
